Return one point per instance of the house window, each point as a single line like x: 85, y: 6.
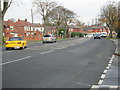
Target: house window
x: 25, y: 28
x: 11, y: 27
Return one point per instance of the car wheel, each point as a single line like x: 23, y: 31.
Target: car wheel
x: 7, y: 48
x: 25, y: 46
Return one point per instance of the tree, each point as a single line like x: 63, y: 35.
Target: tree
x: 60, y: 16
x: 56, y: 17
x: 4, y: 5
x: 118, y: 19
x: 43, y: 8
x: 68, y: 17
x: 109, y: 15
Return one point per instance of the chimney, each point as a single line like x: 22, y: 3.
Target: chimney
x: 26, y: 20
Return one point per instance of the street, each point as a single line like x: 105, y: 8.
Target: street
x: 72, y: 63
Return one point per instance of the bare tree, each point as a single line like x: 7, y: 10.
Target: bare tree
x: 109, y: 14
x: 119, y: 19
x: 4, y: 5
x: 56, y: 17
x: 68, y: 17
x: 43, y: 8
x: 60, y: 16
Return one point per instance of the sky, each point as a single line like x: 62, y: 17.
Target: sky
x: 86, y: 10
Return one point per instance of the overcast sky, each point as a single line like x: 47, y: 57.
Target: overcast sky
x: 85, y: 9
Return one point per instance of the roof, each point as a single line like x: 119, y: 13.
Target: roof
x: 74, y: 27
x: 9, y: 23
x: 22, y: 23
x: 95, y: 27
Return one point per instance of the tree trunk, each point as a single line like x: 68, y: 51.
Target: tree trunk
x: 1, y: 28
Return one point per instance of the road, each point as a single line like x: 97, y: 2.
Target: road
x: 74, y: 63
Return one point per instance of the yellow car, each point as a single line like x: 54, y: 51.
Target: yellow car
x: 16, y: 43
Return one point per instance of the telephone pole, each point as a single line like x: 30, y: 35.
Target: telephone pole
x: 32, y: 24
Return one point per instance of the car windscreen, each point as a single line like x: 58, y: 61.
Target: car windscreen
x: 46, y: 35
x: 15, y: 39
x: 103, y: 33
x: 97, y: 34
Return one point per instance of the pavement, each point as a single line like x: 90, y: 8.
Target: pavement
x: 110, y: 77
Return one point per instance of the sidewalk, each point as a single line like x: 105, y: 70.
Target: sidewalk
x: 112, y: 76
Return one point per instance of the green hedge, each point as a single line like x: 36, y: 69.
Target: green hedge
x: 77, y: 34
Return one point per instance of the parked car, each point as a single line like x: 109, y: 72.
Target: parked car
x: 48, y: 38
x: 16, y: 43
x: 103, y: 34
x: 97, y: 36
x: 89, y: 35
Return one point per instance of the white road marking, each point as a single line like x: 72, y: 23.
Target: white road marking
x: 15, y: 60
x: 100, y: 82
x: 112, y: 57
x: 47, y: 52
x: 94, y: 87
x: 107, y: 67
x: 110, y: 62
x: 103, y: 76
x: 113, y: 87
x: 105, y: 71
x: 109, y: 87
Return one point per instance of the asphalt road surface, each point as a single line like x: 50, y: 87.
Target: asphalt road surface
x: 74, y: 63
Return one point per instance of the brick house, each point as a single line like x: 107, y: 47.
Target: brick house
x: 22, y: 28
x: 96, y: 29
x: 9, y: 30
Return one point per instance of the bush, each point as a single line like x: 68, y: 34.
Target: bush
x: 77, y: 34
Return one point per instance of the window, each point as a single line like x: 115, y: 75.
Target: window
x: 11, y: 27
x: 15, y: 39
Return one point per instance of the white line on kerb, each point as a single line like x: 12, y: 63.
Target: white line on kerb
x: 15, y: 60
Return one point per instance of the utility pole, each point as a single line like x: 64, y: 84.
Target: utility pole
x: 32, y: 15
x: 32, y: 23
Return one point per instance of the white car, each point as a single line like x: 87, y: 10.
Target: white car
x: 48, y: 38
x: 89, y: 35
x: 103, y: 34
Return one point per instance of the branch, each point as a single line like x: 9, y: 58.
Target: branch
x: 6, y: 6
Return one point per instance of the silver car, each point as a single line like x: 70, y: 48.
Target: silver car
x: 48, y: 38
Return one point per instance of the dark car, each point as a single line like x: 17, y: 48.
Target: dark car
x: 97, y: 36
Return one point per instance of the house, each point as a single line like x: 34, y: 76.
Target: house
x: 96, y: 29
x: 74, y: 28
x: 9, y: 30
x: 22, y: 28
